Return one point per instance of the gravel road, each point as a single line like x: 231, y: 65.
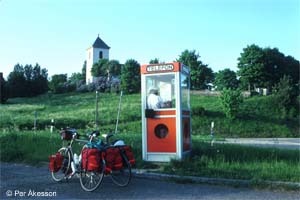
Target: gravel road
x: 19, y: 181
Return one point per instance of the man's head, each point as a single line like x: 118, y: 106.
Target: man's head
x: 153, y: 90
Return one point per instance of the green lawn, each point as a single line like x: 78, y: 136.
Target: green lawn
x: 257, y: 116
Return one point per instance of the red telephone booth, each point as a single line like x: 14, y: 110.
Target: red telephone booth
x: 166, y: 115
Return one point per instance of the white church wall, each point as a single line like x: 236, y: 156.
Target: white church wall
x: 96, y: 52
x: 92, y: 57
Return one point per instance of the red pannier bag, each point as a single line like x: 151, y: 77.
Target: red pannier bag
x: 55, y: 162
x: 67, y: 134
x: 91, y: 159
x: 113, y: 158
x: 129, y: 154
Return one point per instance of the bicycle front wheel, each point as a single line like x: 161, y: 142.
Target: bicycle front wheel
x: 66, y: 165
x: 90, y: 180
x: 122, y: 177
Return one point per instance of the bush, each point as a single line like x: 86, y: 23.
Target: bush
x: 64, y: 88
x: 91, y: 87
x: 231, y: 100
x: 285, y: 97
x: 199, y: 111
x: 82, y: 88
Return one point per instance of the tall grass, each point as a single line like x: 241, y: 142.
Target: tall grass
x: 226, y: 161
x: 239, y: 162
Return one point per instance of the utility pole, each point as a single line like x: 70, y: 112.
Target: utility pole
x: 96, y: 113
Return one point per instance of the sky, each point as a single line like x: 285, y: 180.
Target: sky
x: 56, y: 33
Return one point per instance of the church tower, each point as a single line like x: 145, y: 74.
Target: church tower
x: 98, y: 50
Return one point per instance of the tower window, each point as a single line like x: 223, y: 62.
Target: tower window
x: 100, y: 54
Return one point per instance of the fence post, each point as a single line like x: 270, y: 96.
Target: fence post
x: 118, y: 115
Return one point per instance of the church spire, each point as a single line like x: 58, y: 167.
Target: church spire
x: 100, y: 44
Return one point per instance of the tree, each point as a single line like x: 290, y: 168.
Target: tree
x: 130, y: 77
x: 231, y: 100
x: 274, y: 66
x: 113, y: 67
x: 100, y: 68
x: 264, y: 67
x: 251, y: 67
x: 285, y: 97
x: 17, y: 82
x: 226, y: 79
x: 39, y: 80
x: 154, y: 61
x: 27, y: 81
x: 3, y: 89
x: 57, y: 81
x: 83, y: 71
x: 292, y: 68
x: 76, y: 77
x: 206, y: 76
x: 201, y: 74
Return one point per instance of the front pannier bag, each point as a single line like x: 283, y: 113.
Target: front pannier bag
x: 113, y: 158
x: 55, y: 162
x: 91, y: 159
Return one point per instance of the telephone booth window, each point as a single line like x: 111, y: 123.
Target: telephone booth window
x: 185, y: 92
x: 164, y: 87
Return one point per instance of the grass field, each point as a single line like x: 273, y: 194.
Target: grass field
x: 257, y: 116
x: 19, y: 143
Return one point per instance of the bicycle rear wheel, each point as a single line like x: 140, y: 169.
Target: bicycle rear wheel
x: 122, y: 177
x: 66, y: 165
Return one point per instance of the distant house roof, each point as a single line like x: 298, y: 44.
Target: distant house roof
x: 100, y: 44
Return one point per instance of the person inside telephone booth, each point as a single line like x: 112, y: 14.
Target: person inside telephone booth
x: 161, y: 91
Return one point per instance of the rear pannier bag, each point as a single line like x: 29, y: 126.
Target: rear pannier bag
x: 55, y: 162
x: 129, y: 154
x: 67, y: 134
x: 113, y: 158
x: 91, y: 159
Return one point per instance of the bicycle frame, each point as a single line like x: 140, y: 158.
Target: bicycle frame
x: 73, y: 166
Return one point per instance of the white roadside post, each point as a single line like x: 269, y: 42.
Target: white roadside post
x: 212, y: 136
x: 52, y: 125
